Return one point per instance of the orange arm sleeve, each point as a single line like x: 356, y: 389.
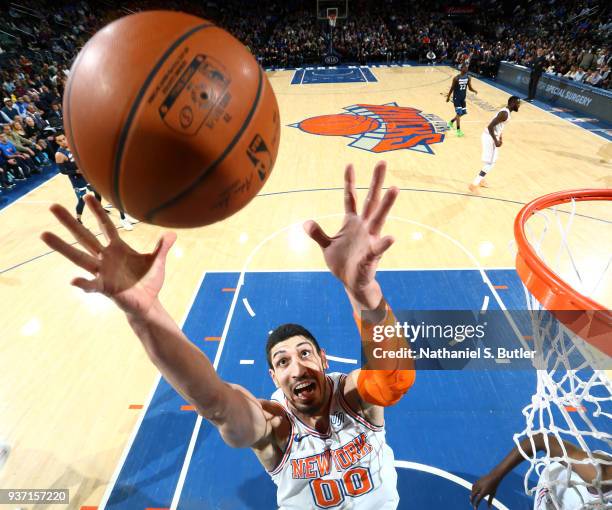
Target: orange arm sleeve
x: 383, y: 387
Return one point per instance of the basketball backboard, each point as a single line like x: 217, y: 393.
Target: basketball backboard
x: 325, y: 7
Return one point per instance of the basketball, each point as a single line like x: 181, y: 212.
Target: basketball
x: 171, y: 119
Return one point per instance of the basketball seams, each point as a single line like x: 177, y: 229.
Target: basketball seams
x: 125, y: 131
x: 211, y: 168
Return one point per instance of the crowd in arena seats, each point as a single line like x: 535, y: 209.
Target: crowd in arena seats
x: 571, y: 32
x: 574, y: 36
x: 40, y: 38
x: 37, y: 46
x: 30, y: 116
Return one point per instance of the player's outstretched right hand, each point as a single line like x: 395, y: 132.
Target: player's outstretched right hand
x: 131, y: 279
x: 483, y: 487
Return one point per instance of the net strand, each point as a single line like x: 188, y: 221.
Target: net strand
x: 564, y: 245
x: 603, y: 274
x: 572, y: 400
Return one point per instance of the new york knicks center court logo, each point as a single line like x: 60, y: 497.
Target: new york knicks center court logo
x: 380, y: 128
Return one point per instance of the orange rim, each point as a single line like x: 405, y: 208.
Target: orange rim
x: 593, y: 322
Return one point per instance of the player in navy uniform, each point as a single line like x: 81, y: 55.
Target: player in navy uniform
x: 458, y: 89
x: 67, y: 166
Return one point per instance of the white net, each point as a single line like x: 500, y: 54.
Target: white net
x: 573, y: 398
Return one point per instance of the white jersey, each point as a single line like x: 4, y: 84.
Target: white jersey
x: 555, y: 493
x: 499, y: 127
x: 350, y: 466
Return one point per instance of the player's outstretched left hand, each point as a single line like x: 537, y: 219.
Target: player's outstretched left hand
x: 353, y: 253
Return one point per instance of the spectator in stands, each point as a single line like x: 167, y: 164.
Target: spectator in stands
x: 17, y: 135
x: 38, y: 146
x: 431, y: 57
x: 44, y: 130
x: 14, y: 168
x: 54, y: 117
x: 20, y: 161
x: 33, y: 112
x: 17, y: 127
x: 25, y: 64
x: 571, y: 73
x: 8, y: 85
x: 20, y: 88
x: 587, y: 59
x: 9, y: 111
x: 46, y: 98
x: 31, y: 130
x: 4, y: 174
x: 603, y: 57
x: 22, y: 104
x: 595, y: 78
x: 35, y: 96
x: 24, y: 145
x: 579, y: 75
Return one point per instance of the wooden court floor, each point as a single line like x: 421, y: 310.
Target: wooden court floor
x: 70, y: 366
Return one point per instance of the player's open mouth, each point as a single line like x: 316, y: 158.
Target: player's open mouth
x: 304, y: 389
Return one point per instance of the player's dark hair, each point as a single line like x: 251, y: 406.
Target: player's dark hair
x: 285, y: 331
x: 514, y: 99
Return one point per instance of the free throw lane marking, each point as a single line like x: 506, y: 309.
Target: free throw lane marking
x: 246, y: 304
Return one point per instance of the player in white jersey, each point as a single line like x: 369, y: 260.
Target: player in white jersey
x: 491, y: 140
x: 349, y: 465
x: 556, y: 492
x: 561, y: 487
x: 320, y: 437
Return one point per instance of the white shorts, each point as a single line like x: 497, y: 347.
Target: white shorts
x: 489, y: 151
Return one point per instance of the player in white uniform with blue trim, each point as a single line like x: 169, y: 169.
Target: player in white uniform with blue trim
x: 559, y: 487
x: 321, y: 437
x: 491, y: 140
x: 569, y: 495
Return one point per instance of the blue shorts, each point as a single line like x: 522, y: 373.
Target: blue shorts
x: 460, y: 108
